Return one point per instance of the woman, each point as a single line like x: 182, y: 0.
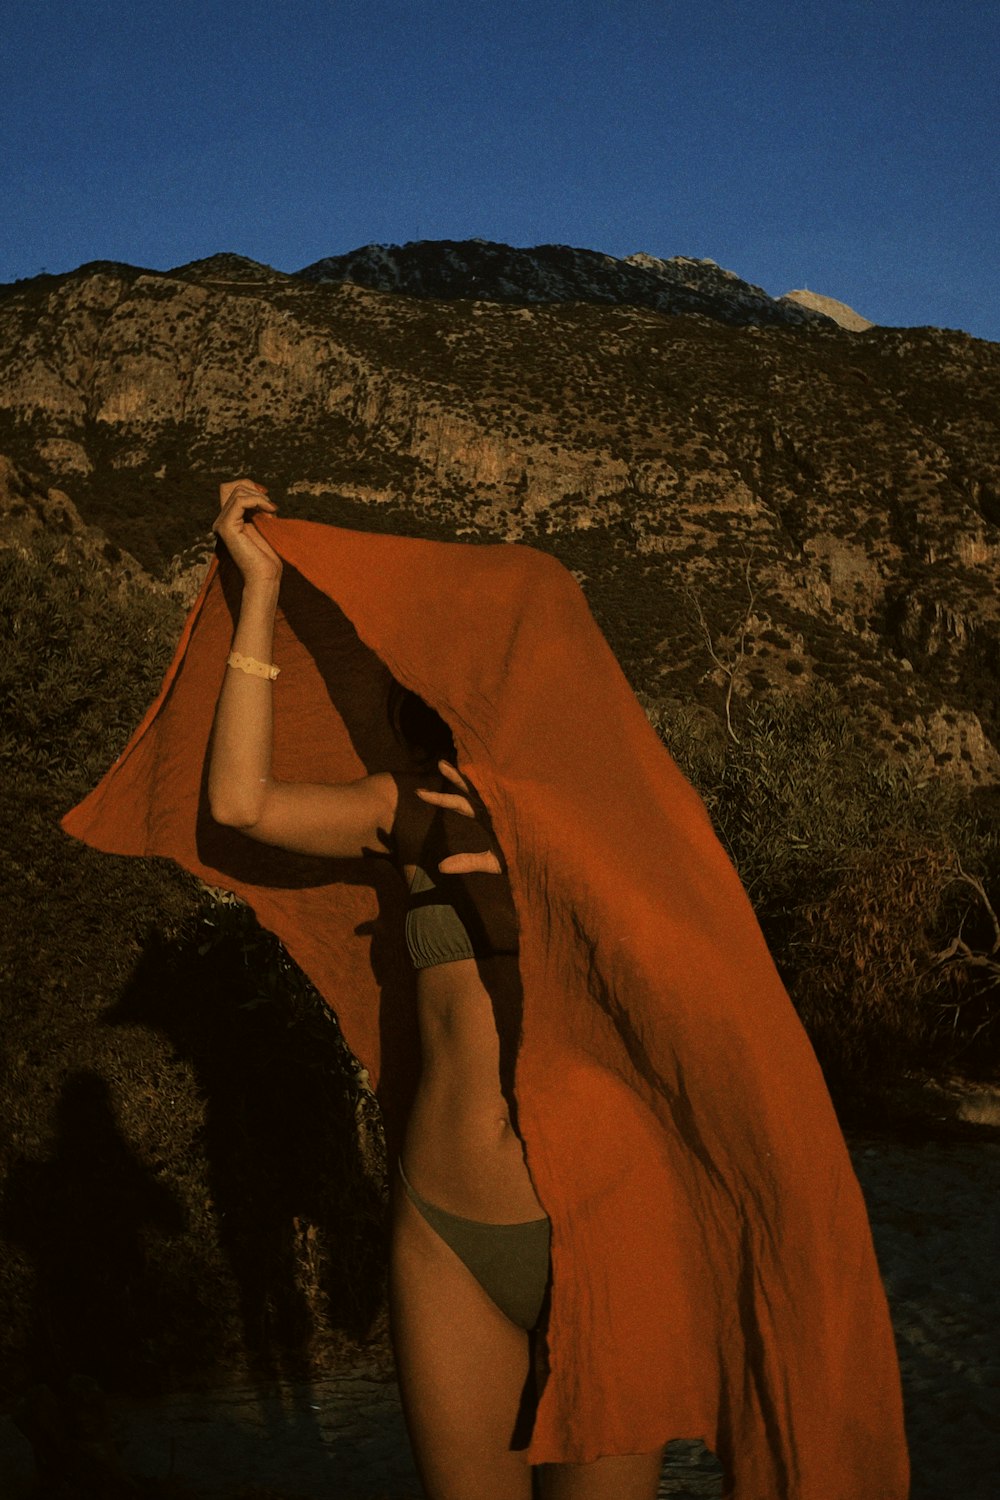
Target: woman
x: 463, y: 1356
x: 632, y: 1086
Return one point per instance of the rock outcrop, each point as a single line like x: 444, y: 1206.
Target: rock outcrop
x: 842, y: 315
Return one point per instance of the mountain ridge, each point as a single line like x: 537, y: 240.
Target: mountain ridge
x: 558, y: 273
x: 491, y: 271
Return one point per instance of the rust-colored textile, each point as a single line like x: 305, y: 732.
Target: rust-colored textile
x: 713, y: 1271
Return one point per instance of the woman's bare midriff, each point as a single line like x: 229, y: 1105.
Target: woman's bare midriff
x: 461, y: 1151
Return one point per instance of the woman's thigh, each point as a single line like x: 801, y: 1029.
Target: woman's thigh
x: 462, y: 1368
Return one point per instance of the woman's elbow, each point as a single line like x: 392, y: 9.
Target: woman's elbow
x: 232, y: 814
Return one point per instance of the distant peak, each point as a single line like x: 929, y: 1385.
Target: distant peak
x: 227, y: 267
x: 838, y: 311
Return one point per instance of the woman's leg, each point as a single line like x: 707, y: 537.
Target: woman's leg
x: 630, y: 1477
x: 462, y: 1367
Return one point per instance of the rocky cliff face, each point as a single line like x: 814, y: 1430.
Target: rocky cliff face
x: 836, y: 493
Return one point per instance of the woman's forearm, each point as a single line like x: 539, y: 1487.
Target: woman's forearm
x: 240, y: 766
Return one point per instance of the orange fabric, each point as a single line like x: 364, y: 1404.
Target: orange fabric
x: 713, y: 1271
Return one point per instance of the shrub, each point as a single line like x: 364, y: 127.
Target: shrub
x: 82, y: 660
x: 184, y: 1184
x: 868, y: 974
x: 853, y: 868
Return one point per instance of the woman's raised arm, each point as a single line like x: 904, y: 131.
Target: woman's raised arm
x: 340, y: 821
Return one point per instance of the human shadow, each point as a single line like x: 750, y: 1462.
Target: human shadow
x: 294, y: 1210
x: 84, y: 1218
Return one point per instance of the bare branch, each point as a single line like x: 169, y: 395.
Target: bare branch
x: 958, y: 950
x: 731, y: 668
x: 980, y: 889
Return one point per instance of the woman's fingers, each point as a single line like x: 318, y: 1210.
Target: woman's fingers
x: 466, y: 864
x: 251, y: 552
x: 453, y: 800
x: 460, y: 864
x: 238, y: 497
x: 453, y: 774
x: 230, y: 487
x: 242, y: 502
x: 241, y: 497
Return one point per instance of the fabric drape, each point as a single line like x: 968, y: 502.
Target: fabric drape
x: 713, y: 1270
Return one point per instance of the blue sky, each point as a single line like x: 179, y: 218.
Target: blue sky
x: 848, y: 146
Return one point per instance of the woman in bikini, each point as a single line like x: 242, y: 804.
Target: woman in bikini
x: 469, y: 1263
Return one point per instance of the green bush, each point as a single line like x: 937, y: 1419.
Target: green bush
x: 854, y: 870
x: 81, y: 660
x: 191, y: 1166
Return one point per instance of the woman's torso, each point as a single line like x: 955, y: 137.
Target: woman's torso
x: 461, y: 1149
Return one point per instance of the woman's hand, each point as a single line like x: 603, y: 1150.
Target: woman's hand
x: 256, y: 558
x: 460, y: 864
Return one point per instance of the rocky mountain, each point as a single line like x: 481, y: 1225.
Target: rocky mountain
x: 737, y: 483
x: 448, y: 269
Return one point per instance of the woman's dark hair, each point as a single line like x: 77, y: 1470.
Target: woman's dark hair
x: 417, y: 726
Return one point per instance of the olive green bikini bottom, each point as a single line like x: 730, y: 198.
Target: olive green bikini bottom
x: 510, y: 1261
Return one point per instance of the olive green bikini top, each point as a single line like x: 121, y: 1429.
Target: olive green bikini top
x: 456, y: 916
x: 435, y: 930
